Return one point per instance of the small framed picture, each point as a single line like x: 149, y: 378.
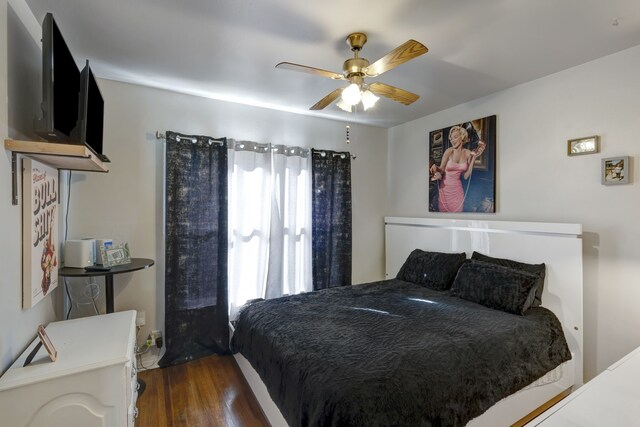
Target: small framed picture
x: 46, y: 342
x: 615, y: 170
x: 586, y: 145
x: 115, y: 255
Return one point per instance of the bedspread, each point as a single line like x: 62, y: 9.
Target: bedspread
x: 393, y: 353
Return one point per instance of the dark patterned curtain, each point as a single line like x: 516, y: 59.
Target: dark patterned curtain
x: 331, y: 224
x: 196, y: 307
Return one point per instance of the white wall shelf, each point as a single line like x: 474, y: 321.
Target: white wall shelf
x: 60, y: 156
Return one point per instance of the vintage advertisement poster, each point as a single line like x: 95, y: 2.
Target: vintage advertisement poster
x: 40, y: 257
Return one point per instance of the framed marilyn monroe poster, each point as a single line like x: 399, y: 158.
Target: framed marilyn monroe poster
x: 462, y: 167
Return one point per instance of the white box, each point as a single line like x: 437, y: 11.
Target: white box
x: 93, y: 250
x: 79, y: 253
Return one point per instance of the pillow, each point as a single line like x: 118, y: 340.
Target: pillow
x: 537, y: 269
x: 495, y: 286
x: 435, y: 270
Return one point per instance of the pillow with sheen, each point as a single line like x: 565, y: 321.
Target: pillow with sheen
x: 537, y: 269
x: 495, y: 286
x: 434, y: 270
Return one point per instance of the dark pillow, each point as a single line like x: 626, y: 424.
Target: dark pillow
x: 538, y: 269
x: 495, y: 286
x: 435, y: 270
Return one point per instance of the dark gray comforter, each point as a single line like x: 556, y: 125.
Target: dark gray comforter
x: 393, y: 353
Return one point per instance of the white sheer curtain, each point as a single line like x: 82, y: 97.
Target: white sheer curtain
x: 269, y: 222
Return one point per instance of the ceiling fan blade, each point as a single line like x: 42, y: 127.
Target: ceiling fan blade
x: 311, y: 70
x: 327, y: 100
x: 398, y: 95
x: 403, y: 53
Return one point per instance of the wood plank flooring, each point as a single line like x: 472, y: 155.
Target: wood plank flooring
x: 212, y: 392
x: 206, y: 392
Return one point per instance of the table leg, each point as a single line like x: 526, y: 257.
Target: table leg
x: 108, y: 286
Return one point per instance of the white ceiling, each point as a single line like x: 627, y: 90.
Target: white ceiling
x: 227, y: 49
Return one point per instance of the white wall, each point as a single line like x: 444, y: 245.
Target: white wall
x: 17, y: 326
x: 126, y: 203
x: 537, y: 181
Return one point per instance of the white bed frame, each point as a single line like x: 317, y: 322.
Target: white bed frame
x: 559, y: 246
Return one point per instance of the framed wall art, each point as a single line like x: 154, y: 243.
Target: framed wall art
x: 615, y: 170
x: 462, y: 167
x: 39, y: 231
x: 586, y: 145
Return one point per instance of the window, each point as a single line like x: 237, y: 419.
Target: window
x: 269, y: 222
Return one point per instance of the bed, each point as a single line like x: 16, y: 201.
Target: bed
x: 372, y: 354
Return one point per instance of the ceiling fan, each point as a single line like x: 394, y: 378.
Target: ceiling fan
x: 356, y: 69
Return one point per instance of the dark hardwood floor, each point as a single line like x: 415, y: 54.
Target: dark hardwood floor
x: 207, y: 392
x: 212, y: 392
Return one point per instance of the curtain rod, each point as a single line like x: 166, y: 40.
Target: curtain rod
x: 161, y: 135
x: 324, y: 153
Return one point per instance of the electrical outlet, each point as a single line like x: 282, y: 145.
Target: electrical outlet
x: 141, y: 319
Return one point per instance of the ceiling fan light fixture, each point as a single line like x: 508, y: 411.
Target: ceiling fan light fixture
x: 357, y: 69
x: 344, y: 106
x: 369, y: 99
x: 351, y: 94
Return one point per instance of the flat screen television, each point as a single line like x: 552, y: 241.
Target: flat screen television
x: 90, y: 124
x: 60, y: 86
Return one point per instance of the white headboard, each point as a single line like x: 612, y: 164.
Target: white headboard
x: 559, y: 246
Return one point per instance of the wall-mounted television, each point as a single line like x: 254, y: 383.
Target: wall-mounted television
x: 90, y: 125
x: 60, y: 86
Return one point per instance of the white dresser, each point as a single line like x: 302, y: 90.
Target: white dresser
x: 92, y: 383
x: 611, y: 399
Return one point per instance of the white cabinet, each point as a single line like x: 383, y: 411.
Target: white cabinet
x: 610, y: 399
x: 92, y: 383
